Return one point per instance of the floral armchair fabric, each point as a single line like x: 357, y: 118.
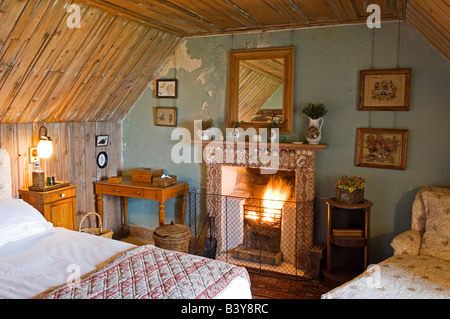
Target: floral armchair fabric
x: 420, y: 267
x: 430, y: 227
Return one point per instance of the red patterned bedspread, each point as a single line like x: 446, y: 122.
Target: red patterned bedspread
x: 148, y: 272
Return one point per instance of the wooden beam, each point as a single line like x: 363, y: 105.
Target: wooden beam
x: 134, y: 15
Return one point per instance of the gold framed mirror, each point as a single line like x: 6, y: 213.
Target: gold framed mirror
x: 262, y: 88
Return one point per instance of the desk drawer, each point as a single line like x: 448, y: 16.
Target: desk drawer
x: 122, y: 191
x: 59, y: 195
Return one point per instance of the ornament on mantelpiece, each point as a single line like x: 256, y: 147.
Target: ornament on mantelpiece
x: 203, y: 127
x: 315, y: 112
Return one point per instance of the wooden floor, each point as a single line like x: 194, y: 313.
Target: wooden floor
x: 138, y: 241
x: 268, y: 287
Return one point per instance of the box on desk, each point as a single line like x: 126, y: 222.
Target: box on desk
x: 145, y: 174
x: 115, y: 179
x: 161, y: 181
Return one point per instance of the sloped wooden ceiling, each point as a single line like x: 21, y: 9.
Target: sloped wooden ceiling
x: 431, y: 18
x: 50, y: 72
x: 189, y: 18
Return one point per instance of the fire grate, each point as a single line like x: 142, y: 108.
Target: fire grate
x: 246, y: 232
x: 262, y: 228
x: 262, y: 215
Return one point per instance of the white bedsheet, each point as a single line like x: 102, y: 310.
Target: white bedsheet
x: 30, y: 267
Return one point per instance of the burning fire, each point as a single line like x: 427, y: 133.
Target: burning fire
x: 275, y: 194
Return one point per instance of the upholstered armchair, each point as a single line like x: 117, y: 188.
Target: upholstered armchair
x: 430, y: 226
x: 421, y: 261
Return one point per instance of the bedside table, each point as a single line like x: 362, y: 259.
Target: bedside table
x: 349, y: 232
x: 58, y: 206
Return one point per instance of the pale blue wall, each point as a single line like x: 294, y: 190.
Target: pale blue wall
x: 328, y: 61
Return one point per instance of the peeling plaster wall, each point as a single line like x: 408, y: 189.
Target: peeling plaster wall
x: 328, y: 61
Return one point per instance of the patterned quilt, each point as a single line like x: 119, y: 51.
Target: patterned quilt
x: 148, y: 272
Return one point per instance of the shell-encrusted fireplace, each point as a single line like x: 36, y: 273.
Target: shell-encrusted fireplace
x: 228, y: 167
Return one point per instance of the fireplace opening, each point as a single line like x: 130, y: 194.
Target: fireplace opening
x: 262, y: 236
x: 257, y: 220
x: 262, y: 224
x: 248, y: 234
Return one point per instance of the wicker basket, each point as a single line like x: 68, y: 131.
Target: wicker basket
x: 173, y: 237
x: 158, y: 181
x: 107, y: 233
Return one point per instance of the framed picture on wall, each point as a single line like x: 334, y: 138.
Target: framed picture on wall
x: 166, y: 116
x: 101, y: 140
x: 166, y: 88
x: 382, y: 148
x: 384, y: 90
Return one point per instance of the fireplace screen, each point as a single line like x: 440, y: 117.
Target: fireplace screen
x: 261, y: 234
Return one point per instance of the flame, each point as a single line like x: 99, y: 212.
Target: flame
x: 252, y: 215
x: 276, y: 193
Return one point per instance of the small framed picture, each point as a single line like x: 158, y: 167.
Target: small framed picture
x: 384, y: 90
x: 166, y: 116
x: 166, y: 88
x: 382, y: 148
x: 101, y: 140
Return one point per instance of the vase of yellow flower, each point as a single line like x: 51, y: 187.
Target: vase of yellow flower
x: 350, y: 190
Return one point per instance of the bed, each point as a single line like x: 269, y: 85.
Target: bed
x: 38, y: 260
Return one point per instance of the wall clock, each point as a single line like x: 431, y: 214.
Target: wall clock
x: 102, y: 159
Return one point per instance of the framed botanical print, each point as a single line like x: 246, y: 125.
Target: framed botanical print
x: 166, y: 116
x: 382, y: 148
x: 384, y: 90
x: 166, y: 89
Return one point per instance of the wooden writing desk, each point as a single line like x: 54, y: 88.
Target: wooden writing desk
x: 128, y: 188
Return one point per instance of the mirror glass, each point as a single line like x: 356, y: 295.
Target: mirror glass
x: 261, y: 87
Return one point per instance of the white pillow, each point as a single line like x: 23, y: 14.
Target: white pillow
x: 19, y: 220
x: 5, y: 175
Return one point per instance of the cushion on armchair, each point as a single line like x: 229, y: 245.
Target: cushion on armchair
x: 436, y: 239
x: 419, y: 219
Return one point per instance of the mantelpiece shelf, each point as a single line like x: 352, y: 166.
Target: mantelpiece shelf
x: 312, y: 147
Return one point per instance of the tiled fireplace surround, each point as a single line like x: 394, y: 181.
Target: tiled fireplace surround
x: 297, y: 158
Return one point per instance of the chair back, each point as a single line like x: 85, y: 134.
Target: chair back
x: 419, y: 219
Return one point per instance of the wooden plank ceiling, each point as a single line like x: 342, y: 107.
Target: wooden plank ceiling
x: 431, y: 18
x: 50, y: 72
x: 187, y: 18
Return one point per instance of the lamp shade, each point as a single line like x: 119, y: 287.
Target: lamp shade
x: 45, y: 148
